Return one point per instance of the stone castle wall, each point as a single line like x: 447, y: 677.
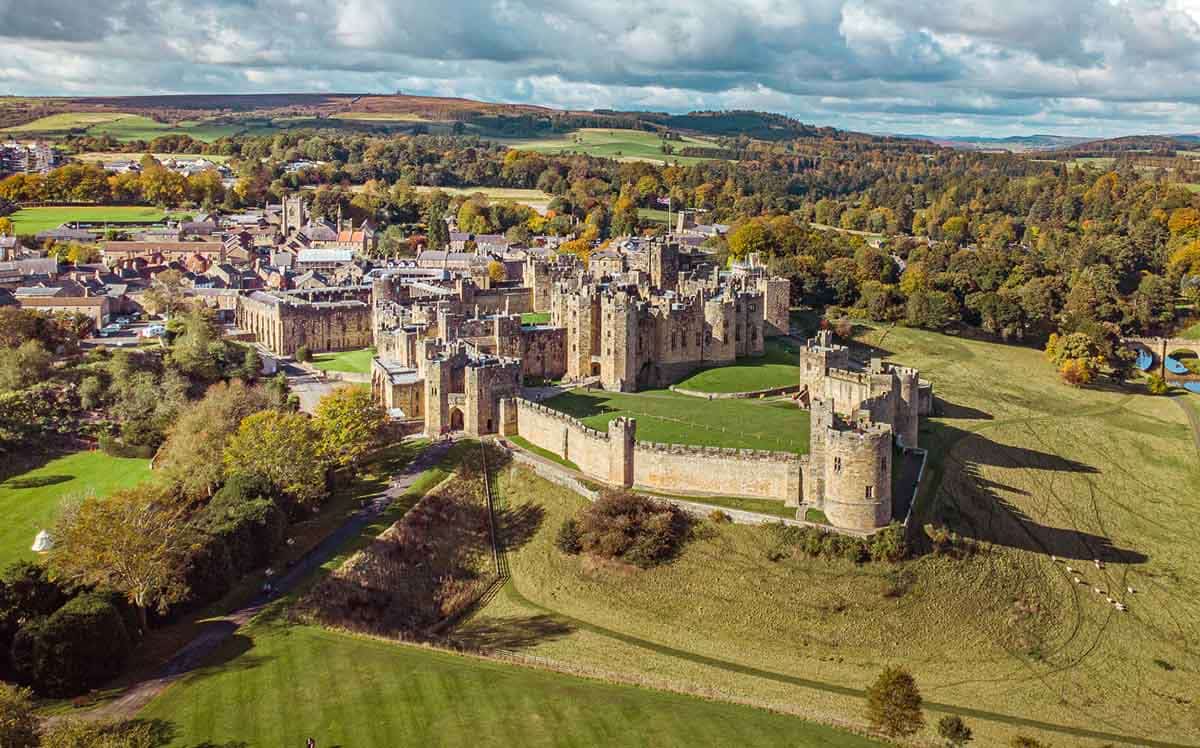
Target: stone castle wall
x: 663, y: 467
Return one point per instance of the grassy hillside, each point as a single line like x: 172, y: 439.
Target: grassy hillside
x: 1022, y: 464
x: 623, y: 145
x: 30, y: 502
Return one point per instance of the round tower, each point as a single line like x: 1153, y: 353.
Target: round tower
x: 858, y: 477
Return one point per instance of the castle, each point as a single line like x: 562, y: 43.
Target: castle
x: 454, y: 355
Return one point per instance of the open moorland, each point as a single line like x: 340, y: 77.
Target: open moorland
x: 33, y: 220
x: 30, y: 501
x: 671, y: 418
x: 1025, y: 468
x: 623, y: 145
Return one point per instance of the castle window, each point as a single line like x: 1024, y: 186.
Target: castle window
x: 883, y: 462
x: 870, y: 492
x: 837, y: 464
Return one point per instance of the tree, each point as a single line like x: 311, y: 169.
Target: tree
x: 166, y: 294
x: 6, y: 226
x: 894, y: 703
x: 303, y: 353
x: 198, y: 350
x: 496, y: 271
x: 350, y: 423
x: 283, y: 449
x: 192, y: 456
x: 748, y: 237
x: 18, y: 723
x: 1024, y: 741
x: 19, y: 368
x: 132, y: 542
x: 251, y: 366
x: 954, y: 731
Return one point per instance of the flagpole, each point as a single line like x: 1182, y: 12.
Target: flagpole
x: 668, y: 215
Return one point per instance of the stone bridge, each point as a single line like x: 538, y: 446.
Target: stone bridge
x: 1160, y: 348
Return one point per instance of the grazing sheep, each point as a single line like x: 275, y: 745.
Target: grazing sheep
x: 1099, y: 564
x: 1053, y: 558
x: 1098, y: 591
x: 1121, y: 607
x: 1131, y: 590
x: 1079, y: 581
x: 1070, y: 570
x: 1110, y: 600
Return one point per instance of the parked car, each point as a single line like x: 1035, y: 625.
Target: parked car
x: 153, y: 331
x: 108, y: 330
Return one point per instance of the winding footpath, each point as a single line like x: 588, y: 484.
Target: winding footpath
x: 219, y: 630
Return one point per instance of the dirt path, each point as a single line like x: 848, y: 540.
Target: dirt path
x: 217, y: 631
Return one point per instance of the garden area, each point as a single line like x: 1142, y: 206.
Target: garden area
x: 777, y: 425
x: 778, y: 367
x: 30, y: 501
x: 350, y: 362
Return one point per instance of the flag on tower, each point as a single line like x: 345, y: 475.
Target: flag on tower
x: 664, y: 200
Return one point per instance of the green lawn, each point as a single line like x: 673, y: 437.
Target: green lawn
x: 30, y: 502
x: 654, y: 215
x: 535, y: 318
x: 355, y: 362
x: 778, y: 367
x: 33, y: 220
x: 277, y: 685
x: 623, y: 145
x: 669, y: 418
x: 529, y: 446
x: 1192, y: 333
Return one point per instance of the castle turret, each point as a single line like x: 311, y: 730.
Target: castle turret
x: 908, y: 406
x: 857, y: 471
x: 622, y: 435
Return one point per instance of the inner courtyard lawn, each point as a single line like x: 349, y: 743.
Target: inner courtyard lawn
x: 278, y: 684
x: 670, y: 418
x: 31, y: 501
x: 353, y: 362
x: 779, y: 366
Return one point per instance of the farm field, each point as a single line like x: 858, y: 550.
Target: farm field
x: 355, y: 362
x: 30, y: 502
x: 670, y: 418
x: 122, y: 126
x: 34, y: 220
x: 1021, y: 464
x: 623, y: 145
x: 536, y: 199
x: 107, y: 157
x: 778, y: 367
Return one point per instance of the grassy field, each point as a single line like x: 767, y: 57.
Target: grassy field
x: 33, y: 220
x: 778, y: 367
x: 654, y: 215
x: 107, y: 157
x: 62, y: 123
x: 1023, y: 465
x: 1192, y: 333
x: 277, y: 683
x: 30, y: 502
x: 358, y: 361
x: 536, y: 199
x: 670, y: 418
x: 623, y: 145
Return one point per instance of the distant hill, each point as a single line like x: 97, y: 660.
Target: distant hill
x: 400, y: 111
x: 1158, y: 145
x: 1013, y: 143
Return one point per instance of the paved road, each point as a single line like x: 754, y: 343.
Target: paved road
x: 307, y: 386
x: 217, y: 631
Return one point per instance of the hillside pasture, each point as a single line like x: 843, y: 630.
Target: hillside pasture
x: 122, y: 126
x: 623, y: 145
x: 1024, y: 467
x: 31, y: 501
x: 34, y: 220
x: 671, y: 418
x: 64, y: 123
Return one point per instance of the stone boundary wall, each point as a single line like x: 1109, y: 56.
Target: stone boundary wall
x: 558, y: 476
x: 665, y: 467
x: 785, y: 390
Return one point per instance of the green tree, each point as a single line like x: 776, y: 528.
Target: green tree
x: 747, y: 237
x: 437, y: 232
x: 28, y: 363
x: 350, y: 424
x: 283, y: 449
x: 954, y: 229
x: 1024, y: 741
x: 192, y: 456
x: 198, y: 350
x: 134, y: 542
x: 954, y: 731
x: 894, y: 703
x: 18, y: 722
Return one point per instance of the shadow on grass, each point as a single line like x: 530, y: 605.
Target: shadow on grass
x: 36, y: 481
x: 511, y: 633
x: 982, y: 509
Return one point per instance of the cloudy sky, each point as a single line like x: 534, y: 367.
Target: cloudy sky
x: 990, y: 67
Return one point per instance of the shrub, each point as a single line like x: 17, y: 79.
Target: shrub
x: 18, y: 723
x: 83, y: 644
x: 138, y: 733
x: 568, y: 540
x: 303, y: 353
x: 26, y: 592
x: 954, y: 731
x: 717, y: 517
x: 120, y: 448
x: 1157, y: 385
x: 888, y: 544
x: 209, y: 571
x: 1024, y: 741
x: 632, y: 528
x: 251, y: 529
